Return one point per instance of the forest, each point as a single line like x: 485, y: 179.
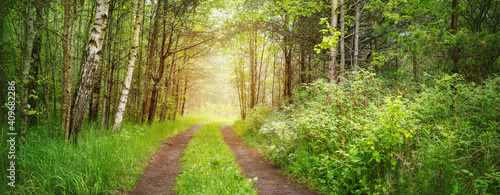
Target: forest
x: 343, y: 96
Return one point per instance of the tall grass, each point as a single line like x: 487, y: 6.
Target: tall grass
x: 100, y: 163
x: 208, y: 166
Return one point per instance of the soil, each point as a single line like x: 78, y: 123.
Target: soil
x: 269, y: 181
x: 159, y: 176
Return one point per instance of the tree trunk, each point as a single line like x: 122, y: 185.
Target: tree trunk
x: 53, y: 69
x: 164, y: 54
x: 96, y: 88
x: 333, y: 51
x: 253, y: 67
x: 165, y: 105
x: 30, y: 35
x: 287, y: 50
x: 342, y: 42
x: 454, y: 29
x: 258, y: 80
x: 356, y: 36
x: 80, y: 102
x: 164, y: 108
x: 309, y: 69
x: 274, y: 76
x: 107, y: 79
x: 36, y: 63
x: 415, y: 67
x: 152, y: 53
x: 302, y: 62
x: 138, y: 80
x: 184, y: 94
x: 69, y: 22
x: 130, y: 71
x: 176, y: 95
x: 114, y: 62
x: 153, y: 101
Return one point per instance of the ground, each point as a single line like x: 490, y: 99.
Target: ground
x: 159, y: 176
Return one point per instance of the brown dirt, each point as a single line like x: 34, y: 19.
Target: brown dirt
x: 159, y: 176
x: 270, y: 181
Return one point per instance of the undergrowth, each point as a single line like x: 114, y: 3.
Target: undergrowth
x: 439, y: 137
x: 101, y: 162
x: 208, y: 166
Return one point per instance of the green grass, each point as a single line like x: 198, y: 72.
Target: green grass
x: 101, y: 163
x: 208, y: 166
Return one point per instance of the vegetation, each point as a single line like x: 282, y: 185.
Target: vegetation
x: 349, y: 96
x: 360, y: 138
x: 56, y: 166
x: 208, y: 166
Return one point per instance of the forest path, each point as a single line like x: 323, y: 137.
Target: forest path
x: 270, y: 181
x: 159, y: 176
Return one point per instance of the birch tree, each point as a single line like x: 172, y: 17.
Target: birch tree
x: 80, y: 101
x: 130, y: 70
x: 342, y: 42
x: 356, y: 36
x: 333, y: 51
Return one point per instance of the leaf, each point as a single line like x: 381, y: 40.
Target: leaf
x: 393, y: 162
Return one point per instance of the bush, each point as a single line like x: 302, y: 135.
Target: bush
x: 362, y: 139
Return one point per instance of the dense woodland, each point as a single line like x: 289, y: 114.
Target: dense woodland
x: 348, y: 96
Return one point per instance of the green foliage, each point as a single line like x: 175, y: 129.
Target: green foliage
x: 361, y: 138
x: 378, y: 60
x: 209, y: 167
x: 249, y: 127
x: 421, y: 29
x: 331, y: 35
x: 101, y: 162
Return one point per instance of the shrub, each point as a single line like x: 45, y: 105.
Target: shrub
x: 360, y: 138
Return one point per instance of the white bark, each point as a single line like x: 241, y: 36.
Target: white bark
x: 83, y: 89
x: 130, y: 71
x: 333, y: 51
x: 356, y: 37
x: 342, y: 42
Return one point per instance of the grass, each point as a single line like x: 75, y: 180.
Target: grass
x: 208, y: 166
x: 101, y: 162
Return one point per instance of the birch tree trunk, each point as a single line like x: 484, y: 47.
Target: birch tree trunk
x: 80, y: 101
x: 333, y: 51
x: 96, y: 88
x: 30, y: 32
x: 130, y: 71
x: 342, y: 42
x: 356, y: 36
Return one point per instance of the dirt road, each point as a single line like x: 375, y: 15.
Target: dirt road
x: 270, y: 181
x: 159, y: 176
